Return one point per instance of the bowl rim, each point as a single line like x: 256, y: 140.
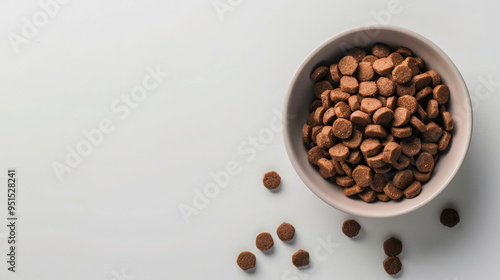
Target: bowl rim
x: 288, y: 141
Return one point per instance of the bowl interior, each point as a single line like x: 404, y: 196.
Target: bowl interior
x: 300, y: 95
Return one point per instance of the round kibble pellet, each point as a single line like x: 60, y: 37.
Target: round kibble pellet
x: 408, y: 102
x: 436, y: 79
x: 357, y: 53
x: 354, y: 157
x: 375, y: 131
x: 349, y: 84
x: 264, y: 241
x: 383, y: 197
x: 354, y: 141
x: 360, y: 118
x: 444, y: 142
x: 370, y: 147
x: 319, y: 73
x: 383, y: 170
x: 344, y: 181
x: 335, y: 74
x: 367, y: 195
x: 421, y: 177
x: 401, y: 117
x: 337, y: 95
x: 401, y: 74
x: 425, y: 162
x: 365, y: 71
x: 339, y: 152
x: 404, y: 51
x: 385, y: 86
x: 271, y: 180
x: 406, y: 89
x: 432, y: 132
x: 417, y: 124
x: 370, y: 58
x: 396, y: 58
x: 362, y: 175
x: 383, y: 116
x: 392, y: 265
x: 392, y: 192
x: 348, y: 65
x: 314, y: 154
x: 342, y: 110
x: 449, y: 217
x: 447, y: 121
x: 441, y: 93
x: 246, y: 260
x: 412, y: 63
x: 383, y: 66
x: 315, y: 105
x: 413, y: 189
x: 347, y: 168
x: 431, y: 148
x: 401, y: 132
x: 379, y: 182
x: 402, y: 162
x: 392, y: 151
x: 329, y: 116
x: 421, y: 81
x: 432, y: 109
x: 368, y: 89
x: 351, y: 228
x: 285, y: 232
x: 393, y: 247
x: 326, y: 168
x: 424, y: 93
x: 350, y: 191
x: 342, y: 128
x: 380, y: 50
x: 403, y: 179
x: 320, y: 87
x: 306, y: 134
x: 376, y: 161
x: 369, y: 105
x: 411, y: 146
x: 354, y: 102
x: 300, y: 258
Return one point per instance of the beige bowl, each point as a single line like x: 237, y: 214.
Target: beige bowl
x: 300, y: 95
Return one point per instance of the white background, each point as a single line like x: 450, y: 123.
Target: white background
x: 116, y: 215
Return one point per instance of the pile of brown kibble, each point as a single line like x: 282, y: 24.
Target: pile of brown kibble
x: 378, y: 123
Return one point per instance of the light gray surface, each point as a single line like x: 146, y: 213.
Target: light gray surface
x: 116, y: 216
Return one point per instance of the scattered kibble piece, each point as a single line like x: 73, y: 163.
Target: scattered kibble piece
x: 246, y: 260
x: 351, y: 228
x: 285, y: 232
x: 392, y: 265
x: 271, y: 180
x: 393, y: 247
x: 449, y: 217
x: 300, y: 258
x: 264, y: 241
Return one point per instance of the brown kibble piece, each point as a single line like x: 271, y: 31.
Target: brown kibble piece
x: 319, y: 73
x: 441, y: 93
x: 318, y: 115
x: 325, y: 138
x: 360, y: 118
x: 370, y: 147
x: 392, y: 101
x: 392, y: 192
x: 413, y: 189
x: 349, y: 84
x: 326, y: 168
x: 388, y: 139
x: 409, y: 102
x: 411, y: 146
x: 449, y: 217
x: 329, y: 116
x: 403, y: 179
x: 300, y: 258
x: 444, y: 142
x: 432, y: 133
x: 320, y: 87
x: 362, y: 175
x: 383, y: 197
x: 404, y: 51
x: 393, y: 247
x: 392, y: 265
x: 351, y: 228
x: 417, y: 124
x: 342, y: 110
x: 368, y: 89
x: 375, y: 131
x: 246, y: 260
x: 396, y: 58
x: 354, y: 141
x: 357, y: 53
x: 264, y: 241
x: 337, y: 95
x: 422, y: 113
x: 431, y: 148
x: 376, y: 161
x: 425, y: 162
x: 406, y: 89
x: 339, y: 152
x: 380, y: 50
x: 335, y: 74
x: 402, y: 162
x: 379, y: 182
x: 401, y: 132
x: 421, y: 177
x: 365, y: 71
x: 306, y: 134
x: 421, y: 81
x: 354, y: 102
x: 369, y: 105
x: 436, y: 79
x: 412, y: 63
x: 344, y: 181
x: 348, y: 65
x: 422, y: 94
x: 285, y: 232
x: 385, y: 86
x: 432, y: 109
x: 392, y: 152
x: 370, y: 58
x: 401, y: 74
x: 354, y: 157
x: 314, y: 154
x: 447, y: 121
x: 315, y: 105
x: 342, y: 128
x: 383, y: 170
x: 338, y: 167
x: 367, y: 195
x: 271, y: 180
x: 326, y: 102
x: 347, y: 168
x: 383, y: 116
x: 383, y: 66
x: 314, y: 132
x: 420, y: 62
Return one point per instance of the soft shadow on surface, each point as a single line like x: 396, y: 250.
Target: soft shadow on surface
x: 270, y: 251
